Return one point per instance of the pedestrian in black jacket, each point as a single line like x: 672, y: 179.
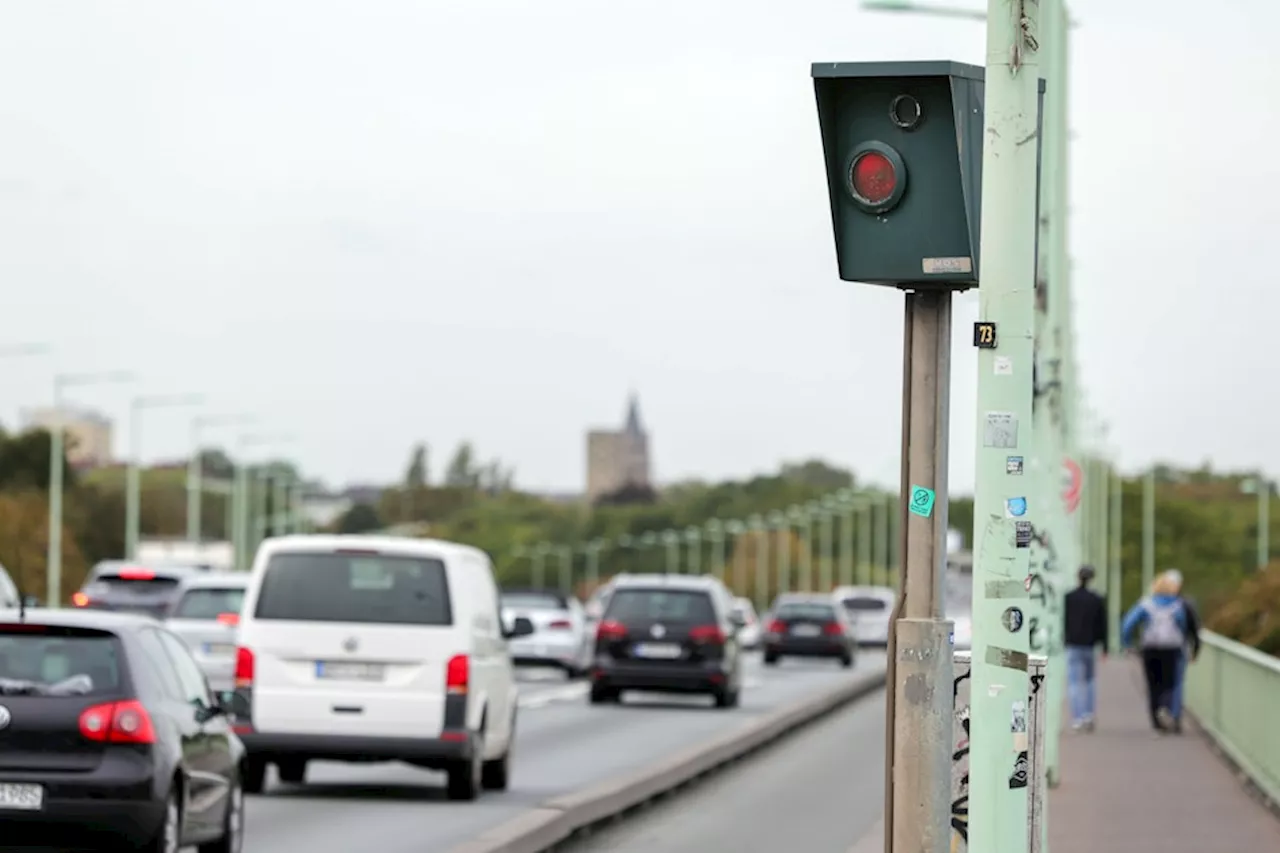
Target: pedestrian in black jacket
x: 1084, y: 629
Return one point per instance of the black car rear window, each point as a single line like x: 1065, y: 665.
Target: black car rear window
x: 805, y: 610
x: 866, y: 604
x: 35, y: 660
x: 533, y: 601
x: 338, y: 587
x: 661, y: 605
x: 209, y: 603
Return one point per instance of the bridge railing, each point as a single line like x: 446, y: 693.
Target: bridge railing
x: 1234, y: 692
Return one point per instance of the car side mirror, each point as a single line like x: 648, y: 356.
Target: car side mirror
x: 521, y: 627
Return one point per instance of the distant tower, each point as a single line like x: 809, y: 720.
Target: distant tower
x: 617, y: 458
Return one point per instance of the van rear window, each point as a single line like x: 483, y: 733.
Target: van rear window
x: 39, y: 661
x: 370, y: 588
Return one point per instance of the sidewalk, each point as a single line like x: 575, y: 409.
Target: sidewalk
x: 1125, y: 789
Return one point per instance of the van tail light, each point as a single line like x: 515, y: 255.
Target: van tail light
x: 79, y: 599
x: 244, y: 667
x: 777, y: 626
x: 231, y: 619
x: 560, y: 625
x: 833, y: 629
x: 457, y: 675
x: 117, y: 722
x: 611, y: 630
x: 709, y: 634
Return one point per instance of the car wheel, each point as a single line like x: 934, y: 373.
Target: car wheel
x: 254, y: 776
x: 466, y: 776
x: 232, y: 839
x: 770, y: 659
x: 496, y: 775
x: 727, y: 698
x: 603, y: 695
x: 846, y: 660
x: 293, y: 771
x: 168, y: 837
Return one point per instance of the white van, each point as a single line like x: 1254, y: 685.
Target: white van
x: 373, y: 648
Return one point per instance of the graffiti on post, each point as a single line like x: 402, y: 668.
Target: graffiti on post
x: 960, y: 764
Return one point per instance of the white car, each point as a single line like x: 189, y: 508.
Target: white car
x: 560, y: 636
x: 359, y: 648
x: 749, y: 633
x: 205, y: 614
x: 871, y: 610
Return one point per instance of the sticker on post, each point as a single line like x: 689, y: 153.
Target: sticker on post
x: 1000, y: 430
x: 1019, y: 777
x: 922, y: 500
x: 943, y: 266
x: 984, y: 335
x: 1012, y: 620
x: 1002, y: 365
x: 1013, y: 465
x: 1022, y: 534
x: 1019, y: 719
x: 1015, y: 507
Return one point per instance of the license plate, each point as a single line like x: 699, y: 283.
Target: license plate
x: 219, y: 650
x: 345, y: 671
x: 806, y: 630
x: 22, y: 797
x: 659, y: 651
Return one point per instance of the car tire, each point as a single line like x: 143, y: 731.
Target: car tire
x: 292, y: 771
x: 168, y: 836
x: 770, y: 659
x: 603, y: 695
x: 253, y: 778
x: 846, y: 660
x: 495, y: 775
x: 727, y: 698
x: 466, y: 777
x: 232, y: 840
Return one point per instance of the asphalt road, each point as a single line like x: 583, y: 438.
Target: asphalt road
x: 562, y: 744
x: 819, y: 791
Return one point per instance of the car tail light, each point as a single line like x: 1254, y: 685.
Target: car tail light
x: 832, y: 629
x: 611, y: 630
x: 232, y: 619
x: 560, y: 625
x: 710, y: 634
x: 117, y: 722
x: 79, y: 599
x: 777, y: 626
x: 137, y: 575
x: 457, y: 674
x: 244, y: 667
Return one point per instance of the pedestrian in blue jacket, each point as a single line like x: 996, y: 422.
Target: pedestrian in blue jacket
x: 1163, y: 621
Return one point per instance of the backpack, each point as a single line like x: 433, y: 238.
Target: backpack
x: 1164, y: 627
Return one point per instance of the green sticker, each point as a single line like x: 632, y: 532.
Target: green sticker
x: 922, y: 501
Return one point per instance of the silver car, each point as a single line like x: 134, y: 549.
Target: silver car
x: 205, y: 613
x: 871, y: 609
x: 560, y: 637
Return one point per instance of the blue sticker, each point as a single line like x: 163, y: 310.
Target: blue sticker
x: 1015, y: 507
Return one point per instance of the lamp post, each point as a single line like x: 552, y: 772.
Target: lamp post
x: 736, y: 529
x: 801, y: 517
x: 195, y: 467
x: 1261, y: 486
x: 133, y: 473
x: 57, y: 443
x: 715, y: 532
x: 693, y: 538
x: 241, y: 498
x: 847, y: 501
x: 762, y: 559
x: 671, y: 539
x: 781, y: 525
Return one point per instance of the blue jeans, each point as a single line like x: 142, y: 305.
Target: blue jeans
x: 1080, y: 682
x: 1175, y: 700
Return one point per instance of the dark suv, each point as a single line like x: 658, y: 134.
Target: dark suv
x: 131, y: 588
x: 670, y: 634
x: 809, y: 626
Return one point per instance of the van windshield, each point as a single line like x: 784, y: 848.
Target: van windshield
x: 335, y: 587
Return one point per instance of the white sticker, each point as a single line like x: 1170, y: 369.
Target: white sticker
x: 1020, y: 742
x: 1001, y: 430
x: 939, y: 266
x: 1003, y: 365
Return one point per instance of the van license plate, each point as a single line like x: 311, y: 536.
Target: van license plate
x: 219, y: 650
x: 22, y: 797
x: 347, y: 671
x: 806, y: 631
x: 658, y: 651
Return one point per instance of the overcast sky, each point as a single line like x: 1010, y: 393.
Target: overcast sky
x: 370, y: 223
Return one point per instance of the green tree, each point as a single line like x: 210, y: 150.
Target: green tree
x: 461, y: 471
x: 416, y: 474
x: 24, y: 461
x: 360, y: 518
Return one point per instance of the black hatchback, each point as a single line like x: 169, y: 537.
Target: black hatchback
x: 809, y: 626
x: 670, y: 634
x: 130, y: 588
x: 110, y: 738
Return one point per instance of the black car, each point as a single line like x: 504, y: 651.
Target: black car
x: 809, y: 626
x: 668, y: 633
x: 110, y: 738
x: 131, y: 588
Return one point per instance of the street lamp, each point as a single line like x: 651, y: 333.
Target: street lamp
x: 57, y: 443
x: 693, y: 538
x: 133, y: 473
x: 195, y: 467
x: 782, y: 529
x: 240, y: 510
x: 1262, y: 487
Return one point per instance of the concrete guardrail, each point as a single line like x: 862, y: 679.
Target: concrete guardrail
x: 542, y: 828
x: 1233, y: 691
